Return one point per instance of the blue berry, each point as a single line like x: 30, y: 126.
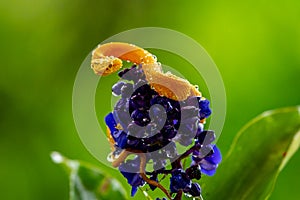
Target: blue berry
x: 116, y: 88
x: 210, y: 163
x: 153, y: 123
x: 169, y: 132
x: 110, y: 122
x: 179, y: 181
x: 206, y: 137
x: 141, y: 118
x: 194, y: 172
x: 205, y: 111
x: 130, y: 170
x: 132, y: 74
x: 127, y: 90
x: 120, y: 138
x: 195, y: 190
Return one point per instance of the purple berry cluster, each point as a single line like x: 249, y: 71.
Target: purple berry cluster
x: 145, y: 122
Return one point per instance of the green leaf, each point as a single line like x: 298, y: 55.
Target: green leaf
x: 88, y: 182
x: 259, y: 152
x: 145, y: 193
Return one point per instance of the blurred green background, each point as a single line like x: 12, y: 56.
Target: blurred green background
x: 255, y: 44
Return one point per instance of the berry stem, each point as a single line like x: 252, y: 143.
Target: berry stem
x: 123, y: 155
x: 160, y: 171
x: 149, y: 181
x: 189, y: 151
x: 178, y: 195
